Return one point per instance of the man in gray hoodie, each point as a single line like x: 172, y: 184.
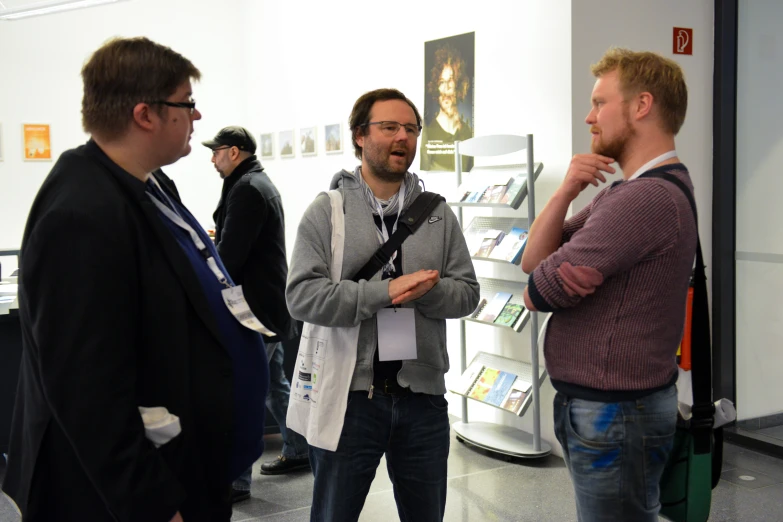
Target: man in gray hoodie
x: 397, y: 403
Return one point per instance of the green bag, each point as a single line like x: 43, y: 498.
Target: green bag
x: 694, y: 466
x: 688, y: 480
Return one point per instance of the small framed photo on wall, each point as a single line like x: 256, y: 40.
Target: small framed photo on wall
x: 333, y: 138
x: 307, y: 141
x: 36, y: 141
x: 286, y: 143
x: 268, y: 146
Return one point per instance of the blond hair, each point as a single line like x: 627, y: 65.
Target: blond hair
x: 640, y: 72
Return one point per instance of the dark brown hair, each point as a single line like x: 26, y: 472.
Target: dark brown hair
x: 640, y: 72
x: 450, y: 56
x: 360, y: 115
x: 123, y: 73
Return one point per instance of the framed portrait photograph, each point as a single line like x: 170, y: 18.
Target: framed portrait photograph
x: 333, y: 138
x: 36, y: 141
x: 449, y: 77
x: 267, y: 146
x: 307, y: 141
x: 285, y: 142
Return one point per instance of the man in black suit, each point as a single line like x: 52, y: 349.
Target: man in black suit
x: 250, y: 236
x: 124, y: 304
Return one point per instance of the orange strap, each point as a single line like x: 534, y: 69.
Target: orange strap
x: 685, y: 344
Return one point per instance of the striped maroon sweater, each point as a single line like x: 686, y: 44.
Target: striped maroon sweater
x: 617, y: 288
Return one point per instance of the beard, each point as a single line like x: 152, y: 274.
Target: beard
x: 616, y: 147
x: 380, y: 162
x: 385, y: 172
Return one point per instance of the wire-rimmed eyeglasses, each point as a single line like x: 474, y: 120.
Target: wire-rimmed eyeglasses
x: 391, y: 128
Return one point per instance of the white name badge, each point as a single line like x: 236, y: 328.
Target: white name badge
x: 396, y: 334
x: 235, y: 301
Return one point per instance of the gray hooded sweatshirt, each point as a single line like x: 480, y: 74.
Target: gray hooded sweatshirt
x: 437, y: 245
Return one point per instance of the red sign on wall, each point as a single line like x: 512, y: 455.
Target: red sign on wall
x: 683, y: 40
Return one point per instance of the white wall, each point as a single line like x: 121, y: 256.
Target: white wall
x: 41, y: 83
x: 759, y: 185
x: 310, y: 73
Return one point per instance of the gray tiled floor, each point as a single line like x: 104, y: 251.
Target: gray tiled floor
x: 485, y: 488
x: 773, y: 431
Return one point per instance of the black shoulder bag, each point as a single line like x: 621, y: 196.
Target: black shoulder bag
x: 694, y: 465
x: 408, y: 224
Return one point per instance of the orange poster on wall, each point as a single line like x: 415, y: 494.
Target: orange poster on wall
x: 37, y: 142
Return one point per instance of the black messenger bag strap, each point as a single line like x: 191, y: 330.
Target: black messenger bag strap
x: 409, y: 222
x: 703, y: 407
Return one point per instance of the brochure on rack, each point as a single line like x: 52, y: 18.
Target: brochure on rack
x: 493, y: 386
x: 491, y: 186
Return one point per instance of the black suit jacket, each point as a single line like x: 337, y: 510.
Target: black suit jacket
x: 113, y: 318
x: 167, y: 183
x: 250, y: 237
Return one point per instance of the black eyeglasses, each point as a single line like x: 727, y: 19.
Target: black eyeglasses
x: 215, y: 151
x: 391, y: 128
x: 182, y: 105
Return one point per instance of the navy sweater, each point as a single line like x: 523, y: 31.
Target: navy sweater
x: 246, y: 347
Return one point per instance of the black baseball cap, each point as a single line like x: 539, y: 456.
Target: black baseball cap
x: 238, y: 137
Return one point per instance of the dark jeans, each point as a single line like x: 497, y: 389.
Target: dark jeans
x: 616, y: 452
x: 412, y: 431
x: 294, y: 445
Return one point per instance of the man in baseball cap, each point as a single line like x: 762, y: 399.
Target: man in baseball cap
x: 233, y: 136
x: 250, y: 238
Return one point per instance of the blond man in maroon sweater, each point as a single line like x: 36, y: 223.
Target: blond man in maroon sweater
x: 616, y: 276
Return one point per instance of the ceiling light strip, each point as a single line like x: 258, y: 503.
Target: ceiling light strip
x: 16, y: 14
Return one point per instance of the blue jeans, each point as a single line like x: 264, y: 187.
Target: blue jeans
x: 412, y: 431
x: 294, y: 445
x: 616, y: 452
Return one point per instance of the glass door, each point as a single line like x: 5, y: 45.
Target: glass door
x: 759, y: 215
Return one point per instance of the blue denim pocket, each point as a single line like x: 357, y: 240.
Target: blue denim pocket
x: 595, y: 443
